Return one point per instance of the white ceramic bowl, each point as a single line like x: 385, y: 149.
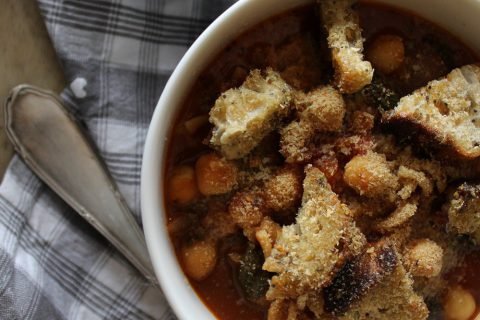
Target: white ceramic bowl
x: 460, y: 17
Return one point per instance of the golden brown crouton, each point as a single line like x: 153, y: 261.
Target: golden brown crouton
x: 284, y: 190
x: 410, y: 179
x: 247, y: 209
x: 370, y: 175
x: 321, y: 110
x: 463, y: 208
x: 244, y: 116
x: 432, y: 170
x: 362, y: 122
x: 306, y: 254
x: 399, y: 217
x: 323, y: 107
x: 278, y: 310
x: 345, y: 40
x: 444, y: 113
x: 295, y: 138
x: 423, y: 258
x: 215, y: 175
x: 285, y: 310
x: 266, y: 235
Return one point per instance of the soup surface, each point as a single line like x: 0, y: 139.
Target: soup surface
x: 229, y: 216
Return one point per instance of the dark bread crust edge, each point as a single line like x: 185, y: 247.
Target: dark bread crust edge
x: 427, y: 138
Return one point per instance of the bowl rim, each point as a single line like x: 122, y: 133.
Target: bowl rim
x: 176, y: 287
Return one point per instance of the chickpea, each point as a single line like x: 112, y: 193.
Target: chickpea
x: 199, y: 259
x: 195, y: 124
x: 182, y: 186
x: 215, y: 175
x: 424, y: 258
x: 386, y: 53
x: 266, y: 235
x: 459, y: 304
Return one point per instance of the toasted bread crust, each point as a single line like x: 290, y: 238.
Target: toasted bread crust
x: 242, y: 117
x: 358, y: 276
x: 444, y: 114
x: 392, y: 298
x: 321, y: 110
x: 306, y: 254
x: 345, y: 40
x: 463, y: 209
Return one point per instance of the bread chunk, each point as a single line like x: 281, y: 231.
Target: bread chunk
x: 345, y: 40
x: 358, y: 276
x: 243, y: 116
x: 285, y: 310
x: 247, y: 209
x: 284, y: 190
x: 392, y: 298
x: 307, y: 253
x: 323, y: 107
x: 321, y: 110
x: 266, y: 235
x: 445, y: 113
x: 463, y: 210
x: 402, y: 214
x: 371, y: 175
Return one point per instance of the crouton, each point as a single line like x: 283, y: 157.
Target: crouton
x: 242, y: 117
x: 463, y: 209
x: 294, y: 141
x: 345, y: 40
x: 324, y: 107
x: 410, y: 179
x: 266, y: 235
x: 285, y: 310
x: 247, y: 209
x: 391, y: 298
x: 423, y: 258
x: 284, y: 190
x: 321, y: 110
x: 443, y: 115
x: 362, y: 122
x: 432, y: 170
x: 358, y: 276
x: 370, y: 175
x: 307, y: 253
x: 399, y: 217
x: 278, y: 310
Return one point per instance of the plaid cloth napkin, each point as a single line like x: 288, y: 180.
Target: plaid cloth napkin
x: 117, y: 56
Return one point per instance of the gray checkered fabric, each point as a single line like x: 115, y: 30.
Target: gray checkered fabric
x: 54, y: 265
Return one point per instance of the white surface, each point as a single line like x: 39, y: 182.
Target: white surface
x: 460, y: 17
x: 78, y: 87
